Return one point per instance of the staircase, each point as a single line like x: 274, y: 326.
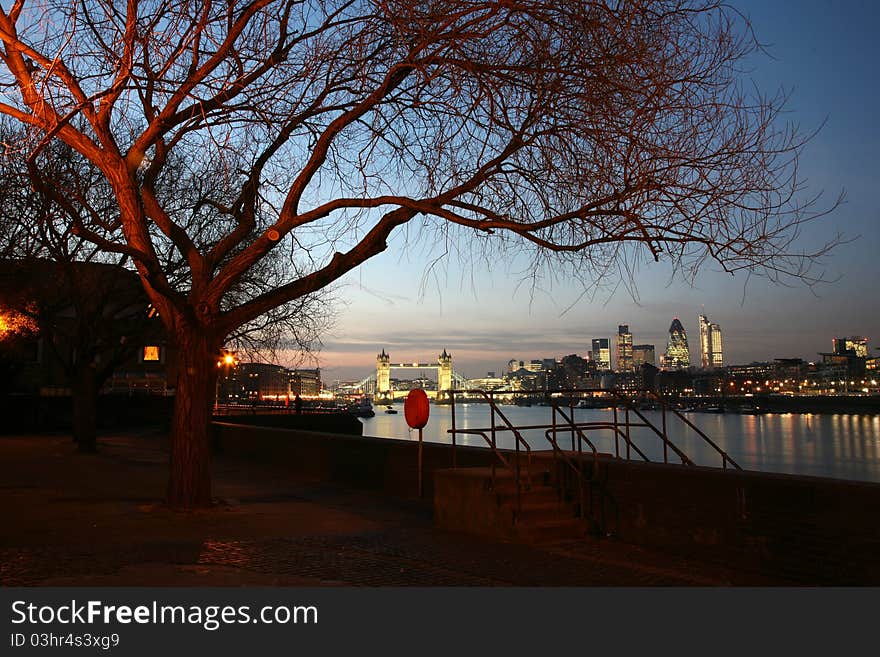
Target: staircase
x: 553, y: 494
x: 542, y: 510
x: 542, y: 513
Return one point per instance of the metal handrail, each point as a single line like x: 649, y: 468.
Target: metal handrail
x: 619, y: 429
x: 725, y: 457
x: 685, y: 460
x: 616, y: 430
x: 491, y: 443
x: 577, y: 469
x: 582, y: 483
x: 493, y: 446
x: 488, y: 396
x: 580, y: 434
x: 519, y: 440
x: 616, y: 395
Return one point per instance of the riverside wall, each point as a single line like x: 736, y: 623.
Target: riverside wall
x: 381, y: 464
x: 807, y: 530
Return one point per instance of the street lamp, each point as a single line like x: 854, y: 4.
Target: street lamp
x: 227, y: 360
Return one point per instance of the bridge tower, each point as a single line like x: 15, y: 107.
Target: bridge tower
x: 444, y: 374
x: 383, y: 374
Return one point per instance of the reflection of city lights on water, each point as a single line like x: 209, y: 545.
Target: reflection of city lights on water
x: 839, y: 446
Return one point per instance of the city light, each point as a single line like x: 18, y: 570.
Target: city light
x: 15, y: 323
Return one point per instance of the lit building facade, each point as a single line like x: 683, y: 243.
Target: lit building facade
x: 711, y: 351
x: 383, y: 371
x: 602, y: 353
x: 306, y: 383
x: 717, y: 347
x: 643, y: 354
x: 855, y: 345
x: 249, y: 382
x: 677, y: 354
x: 534, y: 365
x: 624, y: 349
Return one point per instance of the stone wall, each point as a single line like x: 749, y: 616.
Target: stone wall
x: 804, y: 528
x: 379, y: 464
x: 808, y: 530
x: 322, y: 422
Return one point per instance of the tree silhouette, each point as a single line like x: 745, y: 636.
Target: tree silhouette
x: 88, y: 305
x: 587, y: 133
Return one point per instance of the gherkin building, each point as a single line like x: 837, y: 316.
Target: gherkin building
x: 678, y: 354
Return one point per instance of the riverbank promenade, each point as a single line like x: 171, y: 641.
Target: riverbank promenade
x: 71, y: 519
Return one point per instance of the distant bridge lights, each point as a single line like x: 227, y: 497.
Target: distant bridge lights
x: 384, y: 367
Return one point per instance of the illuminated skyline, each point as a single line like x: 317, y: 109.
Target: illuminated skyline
x: 485, y: 312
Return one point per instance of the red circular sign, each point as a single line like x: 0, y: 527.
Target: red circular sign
x: 416, y: 409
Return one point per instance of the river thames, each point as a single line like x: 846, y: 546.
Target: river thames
x: 840, y: 446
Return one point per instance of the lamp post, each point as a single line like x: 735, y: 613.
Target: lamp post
x: 226, y: 361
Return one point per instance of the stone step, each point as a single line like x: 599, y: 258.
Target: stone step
x: 506, y: 481
x: 532, y: 511
x: 507, y: 495
x: 551, y: 530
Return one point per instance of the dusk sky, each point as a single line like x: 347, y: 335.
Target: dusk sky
x: 484, y: 313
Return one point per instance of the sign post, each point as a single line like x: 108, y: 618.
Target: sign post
x: 416, y: 409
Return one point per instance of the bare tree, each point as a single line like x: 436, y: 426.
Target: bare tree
x: 91, y: 311
x: 88, y: 305
x: 583, y: 131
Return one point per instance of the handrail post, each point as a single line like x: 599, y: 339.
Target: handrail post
x: 626, y: 415
x: 665, y: 437
x: 556, y: 468
x: 555, y: 437
x: 616, y: 429
x: 492, y: 423
x: 494, y: 443
x: 452, y: 401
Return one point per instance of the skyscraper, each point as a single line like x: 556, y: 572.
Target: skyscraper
x: 677, y: 354
x: 602, y: 353
x: 643, y: 353
x: 717, y: 353
x: 624, y: 349
x: 710, y: 343
x: 705, y: 342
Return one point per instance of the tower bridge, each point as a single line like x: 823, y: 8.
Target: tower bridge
x: 447, y: 378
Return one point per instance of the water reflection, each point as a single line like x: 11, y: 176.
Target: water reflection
x: 841, y: 446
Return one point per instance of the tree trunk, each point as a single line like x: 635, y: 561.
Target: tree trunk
x: 85, y: 408
x: 189, y: 484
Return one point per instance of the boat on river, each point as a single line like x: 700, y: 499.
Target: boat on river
x: 362, y: 409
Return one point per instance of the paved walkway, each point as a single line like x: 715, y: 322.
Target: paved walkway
x: 96, y: 520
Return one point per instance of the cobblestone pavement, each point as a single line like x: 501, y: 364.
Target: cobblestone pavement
x: 89, y: 521
x: 386, y: 558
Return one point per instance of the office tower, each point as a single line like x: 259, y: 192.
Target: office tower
x: 705, y: 342
x: 717, y: 357
x: 677, y: 352
x: 534, y: 365
x: 624, y: 349
x: 710, y: 343
x: 643, y: 354
x: 855, y: 345
x: 602, y: 353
